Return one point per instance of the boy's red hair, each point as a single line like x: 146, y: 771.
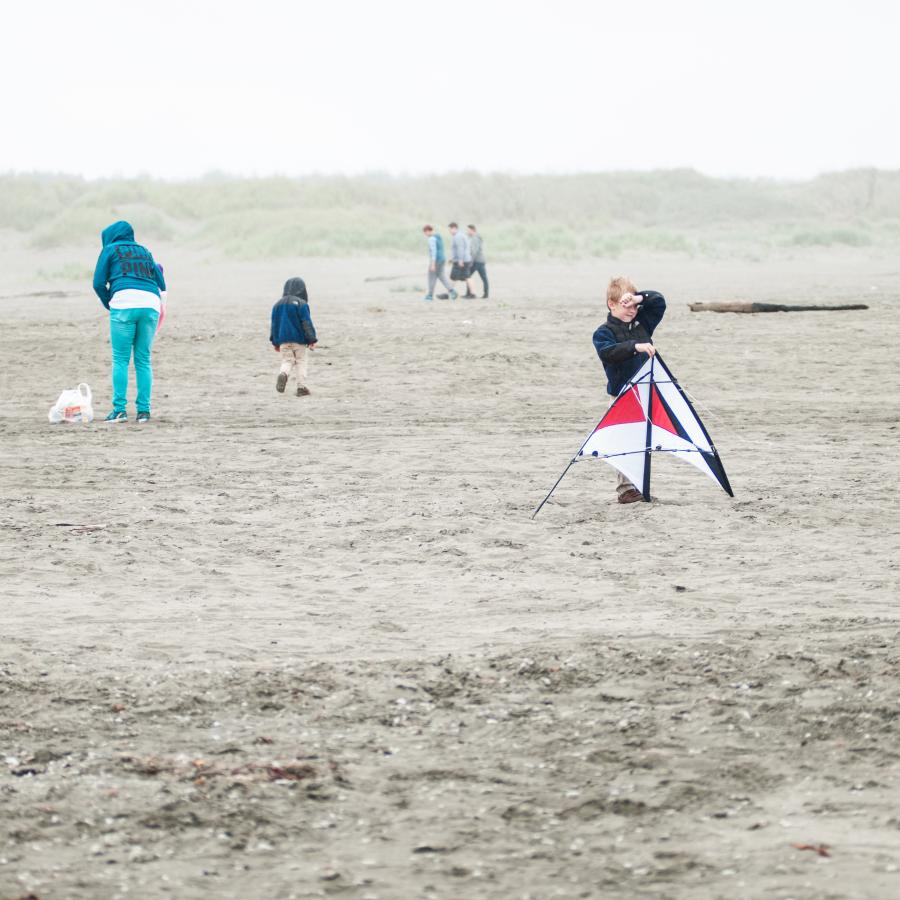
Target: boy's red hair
x: 618, y: 287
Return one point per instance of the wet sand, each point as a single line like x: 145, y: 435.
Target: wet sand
x: 317, y: 646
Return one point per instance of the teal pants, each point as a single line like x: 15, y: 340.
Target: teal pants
x: 132, y: 330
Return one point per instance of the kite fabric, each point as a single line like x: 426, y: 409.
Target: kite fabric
x: 651, y: 415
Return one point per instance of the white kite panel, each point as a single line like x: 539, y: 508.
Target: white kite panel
x: 680, y: 409
x: 622, y: 446
x: 680, y: 449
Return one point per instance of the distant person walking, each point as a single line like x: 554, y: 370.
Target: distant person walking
x: 476, y: 246
x: 128, y: 283
x: 293, y: 335
x: 437, y: 259
x: 460, y: 258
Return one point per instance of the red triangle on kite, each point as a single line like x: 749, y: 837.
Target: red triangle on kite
x: 625, y: 410
x: 660, y: 417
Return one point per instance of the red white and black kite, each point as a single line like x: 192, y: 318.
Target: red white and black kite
x: 652, y: 414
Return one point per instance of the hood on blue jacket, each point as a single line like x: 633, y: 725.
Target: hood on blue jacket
x: 118, y: 231
x: 295, y: 287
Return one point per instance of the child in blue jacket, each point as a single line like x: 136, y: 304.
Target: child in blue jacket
x: 293, y: 334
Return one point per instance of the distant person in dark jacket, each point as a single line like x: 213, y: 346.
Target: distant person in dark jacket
x: 293, y: 335
x: 623, y: 344
x: 129, y: 284
x: 476, y: 246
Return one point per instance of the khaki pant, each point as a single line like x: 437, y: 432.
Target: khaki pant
x: 295, y: 358
x: 623, y: 484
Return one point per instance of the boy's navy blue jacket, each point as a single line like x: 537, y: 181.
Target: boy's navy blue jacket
x: 614, y: 341
x: 124, y: 264
x: 291, y: 322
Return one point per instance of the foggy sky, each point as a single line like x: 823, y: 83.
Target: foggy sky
x: 786, y: 89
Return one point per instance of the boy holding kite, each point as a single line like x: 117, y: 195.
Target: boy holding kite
x: 624, y: 344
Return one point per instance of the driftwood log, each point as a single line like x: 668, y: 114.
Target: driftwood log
x: 745, y: 307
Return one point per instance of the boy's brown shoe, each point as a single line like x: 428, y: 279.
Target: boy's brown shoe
x: 280, y: 384
x: 303, y: 391
x: 632, y: 495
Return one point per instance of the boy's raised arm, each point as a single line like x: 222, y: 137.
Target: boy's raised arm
x: 653, y: 308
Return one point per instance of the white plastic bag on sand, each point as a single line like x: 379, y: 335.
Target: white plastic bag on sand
x: 73, y: 406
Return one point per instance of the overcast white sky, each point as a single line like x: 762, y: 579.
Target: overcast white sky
x: 176, y: 89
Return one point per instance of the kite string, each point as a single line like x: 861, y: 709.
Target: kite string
x: 701, y: 404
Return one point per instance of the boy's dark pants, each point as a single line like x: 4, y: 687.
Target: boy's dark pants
x: 479, y: 267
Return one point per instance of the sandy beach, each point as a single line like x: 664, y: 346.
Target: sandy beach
x: 267, y: 646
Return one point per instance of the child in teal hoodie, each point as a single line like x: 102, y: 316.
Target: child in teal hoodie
x: 128, y: 283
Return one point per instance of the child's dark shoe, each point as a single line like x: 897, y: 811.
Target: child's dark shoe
x: 281, y: 383
x: 303, y: 391
x: 116, y: 417
x: 143, y: 416
x: 632, y: 495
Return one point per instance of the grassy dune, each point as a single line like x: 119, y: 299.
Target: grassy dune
x: 524, y: 217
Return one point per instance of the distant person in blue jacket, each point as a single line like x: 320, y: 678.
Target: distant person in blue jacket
x: 128, y: 283
x: 623, y: 345
x: 293, y: 335
x: 437, y: 259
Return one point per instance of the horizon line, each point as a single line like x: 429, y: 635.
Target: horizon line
x: 381, y: 174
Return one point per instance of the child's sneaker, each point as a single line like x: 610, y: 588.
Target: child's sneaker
x: 453, y: 295
x: 143, y: 416
x: 428, y: 298
x: 443, y: 296
x: 281, y: 383
x: 117, y: 416
x: 303, y: 391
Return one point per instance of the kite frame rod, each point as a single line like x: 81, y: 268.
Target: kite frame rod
x: 645, y: 487
x: 572, y: 462
x: 555, y: 486
x: 642, y: 450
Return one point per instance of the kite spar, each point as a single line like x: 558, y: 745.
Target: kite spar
x: 652, y: 414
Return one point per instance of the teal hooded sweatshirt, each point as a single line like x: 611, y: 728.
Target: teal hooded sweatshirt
x: 124, y: 264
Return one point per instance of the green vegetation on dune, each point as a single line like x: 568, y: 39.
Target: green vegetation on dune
x: 523, y: 217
